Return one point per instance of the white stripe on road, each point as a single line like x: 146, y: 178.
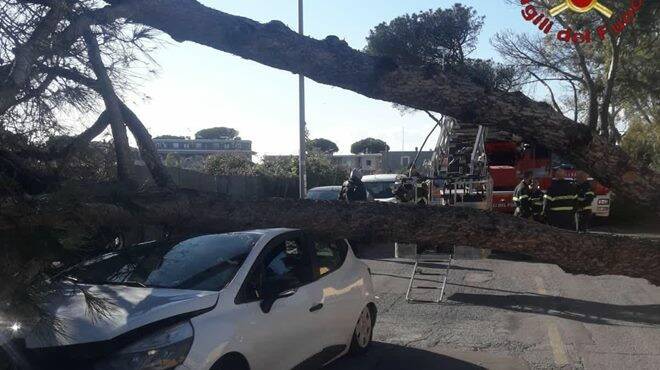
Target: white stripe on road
x: 558, y: 349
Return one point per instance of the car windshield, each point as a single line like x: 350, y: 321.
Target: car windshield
x: 380, y: 190
x: 326, y: 194
x: 206, y: 262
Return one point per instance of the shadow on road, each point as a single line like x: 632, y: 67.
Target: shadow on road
x: 385, y: 356
x: 567, y: 308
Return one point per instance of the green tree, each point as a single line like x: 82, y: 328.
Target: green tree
x: 322, y: 145
x: 444, y: 38
x: 170, y: 137
x: 172, y: 160
x: 231, y: 165
x: 369, y: 145
x: 642, y: 142
x: 430, y: 37
x: 604, y: 83
x: 320, y: 170
x: 217, y: 133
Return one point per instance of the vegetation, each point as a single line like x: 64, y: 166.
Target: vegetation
x: 606, y: 84
x: 369, y: 145
x: 322, y: 145
x: 231, y: 165
x: 441, y: 37
x: 217, y: 133
x: 170, y: 137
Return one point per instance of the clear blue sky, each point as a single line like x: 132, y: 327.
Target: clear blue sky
x: 199, y: 87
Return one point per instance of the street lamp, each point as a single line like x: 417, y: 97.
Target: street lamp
x: 302, y: 172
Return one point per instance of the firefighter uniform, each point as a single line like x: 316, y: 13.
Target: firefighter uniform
x: 559, y: 204
x: 536, y: 198
x: 585, y: 196
x: 353, y: 190
x: 522, y: 201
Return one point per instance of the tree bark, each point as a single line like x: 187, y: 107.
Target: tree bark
x: 120, y: 138
x: 331, y: 61
x: 185, y: 214
x: 148, y: 150
x: 609, y: 88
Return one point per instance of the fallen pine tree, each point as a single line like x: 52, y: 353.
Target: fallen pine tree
x: 82, y: 223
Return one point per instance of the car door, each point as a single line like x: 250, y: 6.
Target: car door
x: 341, y: 288
x: 287, y: 334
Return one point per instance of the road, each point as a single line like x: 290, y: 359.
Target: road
x: 502, y: 314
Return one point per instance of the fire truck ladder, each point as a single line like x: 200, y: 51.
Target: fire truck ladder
x: 459, y: 162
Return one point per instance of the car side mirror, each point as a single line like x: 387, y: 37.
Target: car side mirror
x: 269, y: 294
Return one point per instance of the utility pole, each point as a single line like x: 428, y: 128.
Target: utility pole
x: 302, y: 171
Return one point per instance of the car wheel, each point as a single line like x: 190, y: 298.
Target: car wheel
x: 363, y: 332
x: 232, y: 361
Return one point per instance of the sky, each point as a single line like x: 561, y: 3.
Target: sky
x: 199, y: 87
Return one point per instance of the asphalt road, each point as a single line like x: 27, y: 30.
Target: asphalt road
x: 501, y: 314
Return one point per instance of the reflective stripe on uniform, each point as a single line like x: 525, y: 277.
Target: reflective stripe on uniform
x: 587, y: 208
x: 561, y: 209
x: 590, y: 193
x: 538, y: 203
x: 515, y: 199
x: 560, y: 197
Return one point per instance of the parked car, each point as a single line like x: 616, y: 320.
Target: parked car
x: 259, y: 299
x: 380, y: 187
x: 324, y: 193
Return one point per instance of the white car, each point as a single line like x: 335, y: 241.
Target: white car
x: 261, y: 299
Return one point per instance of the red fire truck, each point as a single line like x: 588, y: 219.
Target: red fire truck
x: 509, y: 160
x: 480, y: 168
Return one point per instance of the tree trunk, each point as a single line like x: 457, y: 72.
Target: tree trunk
x: 185, y: 214
x: 148, y: 150
x: 120, y: 138
x: 609, y: 88
x: 333, y: 62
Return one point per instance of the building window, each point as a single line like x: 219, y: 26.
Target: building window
x: 405, y: 160
x: 368, y: 162
x: 175, y: 145
x: 198, y: 145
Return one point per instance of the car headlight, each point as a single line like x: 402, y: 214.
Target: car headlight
x: 602, y: 202
x: 164, y: 349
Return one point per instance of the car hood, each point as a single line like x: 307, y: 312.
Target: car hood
x: 94, y: 313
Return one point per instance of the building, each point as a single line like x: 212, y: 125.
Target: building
x: 369, y: 164
x: 399, y: 161
x: 191, y: 153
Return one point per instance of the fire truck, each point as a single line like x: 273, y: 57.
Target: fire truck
x: 476, y: 167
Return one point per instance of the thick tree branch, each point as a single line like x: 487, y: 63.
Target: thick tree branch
x: 193, y: 213
x: 333, y: 62
x: 122, y: 149
x: 148, y: 150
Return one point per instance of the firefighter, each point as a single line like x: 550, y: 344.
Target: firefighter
x: 353, y: 190
x: 585, y: 197
x: 521, y: 197
x: 560, y: 200
x: 536, y: 198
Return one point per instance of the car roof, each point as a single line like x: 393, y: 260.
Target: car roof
x: 326, y: 188
x: 381, y: 177
x: 269, y: 232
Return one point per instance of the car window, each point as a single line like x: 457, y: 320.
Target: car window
x: 330, y: 255
x: 323, y: 195
x: 287, y: 266
x: 206, y: 262
x: 380, y: 190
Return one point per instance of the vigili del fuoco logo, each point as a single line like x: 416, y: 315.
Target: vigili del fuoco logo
x: 614, y: 25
